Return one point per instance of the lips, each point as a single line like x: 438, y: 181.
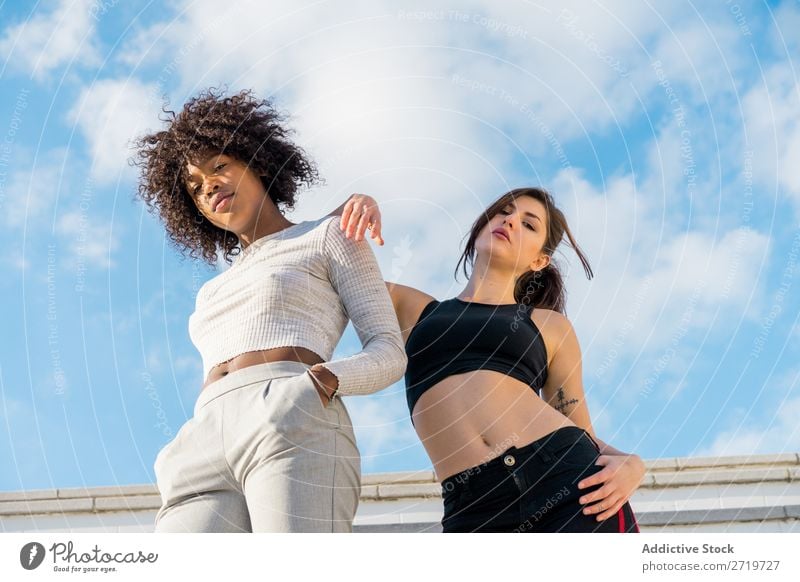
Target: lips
x: 218, y: 201
x: 502, y: 233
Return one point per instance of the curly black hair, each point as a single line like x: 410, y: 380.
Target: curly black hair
x: 240, y: 126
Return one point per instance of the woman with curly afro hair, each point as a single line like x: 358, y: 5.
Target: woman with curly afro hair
x: 270, y: 447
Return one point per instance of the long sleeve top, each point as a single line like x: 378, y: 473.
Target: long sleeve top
x: 299, y: 287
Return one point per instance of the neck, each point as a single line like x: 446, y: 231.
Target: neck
x: 489, y: 286
x: 268, y: 221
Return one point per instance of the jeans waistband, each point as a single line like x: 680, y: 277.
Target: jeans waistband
x: 248, y: 376
x: 542, y: 448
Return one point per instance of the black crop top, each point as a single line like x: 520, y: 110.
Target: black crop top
x: 455, y: 336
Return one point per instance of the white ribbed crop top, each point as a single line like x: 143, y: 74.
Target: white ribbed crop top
x: 298, y: 287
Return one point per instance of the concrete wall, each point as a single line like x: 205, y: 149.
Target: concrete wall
x: 759, y: 493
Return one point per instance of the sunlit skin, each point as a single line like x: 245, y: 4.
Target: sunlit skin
x: 467, y: 419
x: 249, y: 214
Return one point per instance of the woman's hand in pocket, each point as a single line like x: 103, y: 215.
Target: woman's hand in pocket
x: 360, y: 213
x: 621, y: 476
x: 325, y: 382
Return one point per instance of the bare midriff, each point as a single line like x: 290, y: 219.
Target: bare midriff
x: 468, y: 419
x: 293, y: 353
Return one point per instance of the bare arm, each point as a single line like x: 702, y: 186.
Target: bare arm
x: 563, y: 389
x: 622, y: 473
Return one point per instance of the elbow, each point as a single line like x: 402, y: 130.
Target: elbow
x: 401, y: 371
x: 398, y: 360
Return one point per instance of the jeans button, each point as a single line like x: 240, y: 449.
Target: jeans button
x: 509, y: 460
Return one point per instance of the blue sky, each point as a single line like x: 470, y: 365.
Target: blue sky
x: 668, y: 134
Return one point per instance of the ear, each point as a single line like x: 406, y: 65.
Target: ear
x: 540, y: 263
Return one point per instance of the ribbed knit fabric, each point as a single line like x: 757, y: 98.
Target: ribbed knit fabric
x: 298, y: 287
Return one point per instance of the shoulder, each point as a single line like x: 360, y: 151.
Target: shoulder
x: 320, y: 227
x: 409, y: 303
x: 408, y: 300
x: 335, y: 238
x: 554, y: 327
x: 327, y: 235
x: 326, y: 221
x: 549, y: 318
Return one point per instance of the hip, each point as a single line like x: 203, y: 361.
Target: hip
x: 468, y: 419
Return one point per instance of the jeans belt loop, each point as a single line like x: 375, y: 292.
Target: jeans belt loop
x: 545, y: 455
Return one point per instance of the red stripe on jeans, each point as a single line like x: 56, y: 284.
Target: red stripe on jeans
x: 621, y: 517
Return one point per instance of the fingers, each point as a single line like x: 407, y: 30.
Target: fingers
x: 604, y: 508
x: 605, y: 501
x: 598, y: 495
x: 376, y: 233
x: 356, y: 209
x: 376, y: 226
x: 362, y: 224
x: 375, y: 222
x: 603, y: 460
x: 345, y: 220
x: 611, y: 512
x: 357, y: 216
x: 600, y: 477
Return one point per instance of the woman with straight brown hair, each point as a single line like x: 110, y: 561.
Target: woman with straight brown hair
x: 493, y: 382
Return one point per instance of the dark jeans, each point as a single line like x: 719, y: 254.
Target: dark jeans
x: 533, y: 488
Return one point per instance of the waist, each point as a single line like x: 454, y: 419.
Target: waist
x: 418, y: 381
x: 247, y: 359
x: 549, y: 449
x: 248, y: 375
x: 226, y: 341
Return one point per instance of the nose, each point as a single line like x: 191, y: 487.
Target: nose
x: 212, y: 189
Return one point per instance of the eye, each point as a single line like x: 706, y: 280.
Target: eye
x: 196, y: 189
x: 219, y: 167
x: 528, y: 225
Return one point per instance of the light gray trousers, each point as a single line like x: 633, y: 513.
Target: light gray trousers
x: 261, y: 454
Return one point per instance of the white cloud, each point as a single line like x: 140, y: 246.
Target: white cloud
x: 144, y: 45
x: 33, y: 187
x: 785, y: 18
x: 651, y: 278
x: 780, y: 433
x: 386, y: 117
x: 393, y: 111
x: 401, y: 62
x: 90, y: 245
x: 110, y: 114
x: 705, y: 54
x: 381, y: 424
x: 773, y: 131
x: 48, y: 40
x: 431, y: 112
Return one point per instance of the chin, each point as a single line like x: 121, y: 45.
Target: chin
x: 222, y: 222
x: 495, y: 246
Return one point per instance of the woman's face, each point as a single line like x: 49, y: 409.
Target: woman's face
x: 523, y: 222
x: 226, y: 191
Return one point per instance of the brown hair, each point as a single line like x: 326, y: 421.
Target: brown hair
x: 241, y: 126
x: 545, y: 288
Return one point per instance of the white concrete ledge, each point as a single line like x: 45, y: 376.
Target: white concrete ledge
x: 737, y: 493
